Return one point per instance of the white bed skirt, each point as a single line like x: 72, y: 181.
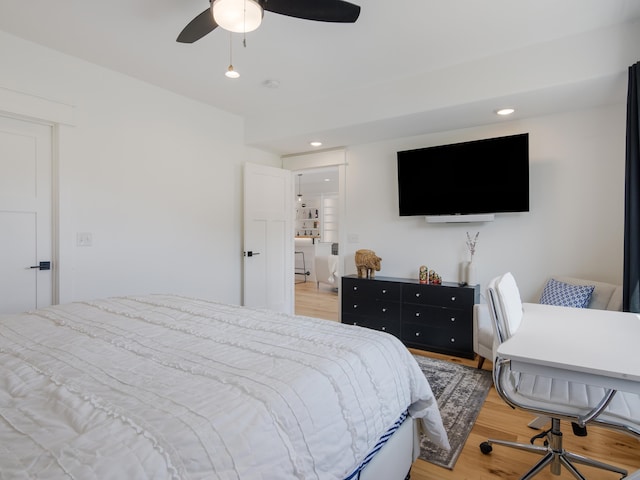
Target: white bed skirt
x: 394, y: 460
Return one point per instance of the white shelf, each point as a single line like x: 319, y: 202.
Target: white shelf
x: 323, y: 224
x: 308, y: 227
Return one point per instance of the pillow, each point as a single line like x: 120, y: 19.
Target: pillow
x: 566, y: 294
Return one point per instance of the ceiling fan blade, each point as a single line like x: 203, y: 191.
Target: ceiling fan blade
x: 319, y: 10
x: 198, y: 27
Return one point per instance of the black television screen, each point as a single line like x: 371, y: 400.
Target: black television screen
x: 477, y: 177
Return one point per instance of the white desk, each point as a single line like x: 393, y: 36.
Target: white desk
x: 595, y: 347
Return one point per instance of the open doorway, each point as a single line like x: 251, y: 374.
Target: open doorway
x: 316, y: 237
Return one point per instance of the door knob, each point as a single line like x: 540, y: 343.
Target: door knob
x: 42, y: 266
x: 251, y: 253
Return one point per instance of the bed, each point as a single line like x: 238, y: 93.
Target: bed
x: 163, y: 386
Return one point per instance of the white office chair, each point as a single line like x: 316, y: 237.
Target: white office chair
x: 606, y: 296
x: 557, y: 399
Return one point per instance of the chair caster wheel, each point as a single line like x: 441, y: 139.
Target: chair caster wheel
x: 486, y: 448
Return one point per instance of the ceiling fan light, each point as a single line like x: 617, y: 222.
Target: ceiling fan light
x: 239, y: 16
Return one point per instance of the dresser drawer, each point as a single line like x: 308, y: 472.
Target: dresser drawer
x: 438, y: 295
x: 371, y: 307
x: 422, y: 335
x: 435, y: 316
x: 365, y: 288
x: 389, y: 325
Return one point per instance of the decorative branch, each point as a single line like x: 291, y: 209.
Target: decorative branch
x: 471, y: 244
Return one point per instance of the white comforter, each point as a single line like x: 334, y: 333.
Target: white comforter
x: 167, y: 387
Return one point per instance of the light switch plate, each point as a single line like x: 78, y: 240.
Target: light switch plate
x: 84, y: 239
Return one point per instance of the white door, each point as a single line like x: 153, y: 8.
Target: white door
x: 268, y: 238
x: 25, y: 215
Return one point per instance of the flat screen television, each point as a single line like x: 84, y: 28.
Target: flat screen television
x: 477, y: 177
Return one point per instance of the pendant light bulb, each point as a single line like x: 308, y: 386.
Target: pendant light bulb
x: 299, y: 191
x: 231, y: 72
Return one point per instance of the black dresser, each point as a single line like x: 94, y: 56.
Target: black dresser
x: 437, y: 318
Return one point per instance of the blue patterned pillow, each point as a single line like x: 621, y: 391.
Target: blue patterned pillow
x: 566, y: 294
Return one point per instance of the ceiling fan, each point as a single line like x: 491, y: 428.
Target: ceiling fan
x: 246, y: 15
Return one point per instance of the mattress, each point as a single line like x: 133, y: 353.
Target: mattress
x: 163, y: 386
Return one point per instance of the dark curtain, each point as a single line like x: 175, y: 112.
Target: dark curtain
x: 631, y: 280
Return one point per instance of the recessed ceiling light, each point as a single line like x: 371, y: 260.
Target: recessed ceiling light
x: 271, y: 83
x: 505, y: 111
x: 315, y: 144
x: 327, y: 179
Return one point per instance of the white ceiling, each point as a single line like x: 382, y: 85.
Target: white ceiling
x: 406, y: 67
x: 316, y: 181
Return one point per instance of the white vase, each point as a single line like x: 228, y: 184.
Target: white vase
x: 471, y: 273
x: 462, y: 272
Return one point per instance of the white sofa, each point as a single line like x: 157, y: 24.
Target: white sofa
x: 326, y: 270
x: 605, y: 296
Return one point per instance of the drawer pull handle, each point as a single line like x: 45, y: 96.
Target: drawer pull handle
x: 355, y: 288
x: 355, y: 323
x: 355, y: 306
x: 418, y: 294
x: 384, y: 310
x: 417, y: 334
x: 384, y: 291
x: 453, y: 340
x: 453, y: 299
x: 417, y: 314
x: 384, y: 329
x: 453, y: 319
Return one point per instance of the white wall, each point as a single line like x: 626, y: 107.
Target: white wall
x: 154, y: 177
x: 157, y: 179
x: 575, y: 226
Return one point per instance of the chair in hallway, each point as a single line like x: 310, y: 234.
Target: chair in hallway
x: 326, y: 270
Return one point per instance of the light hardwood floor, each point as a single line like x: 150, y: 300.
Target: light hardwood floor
x: 496, y: 420
x: 317, y: 301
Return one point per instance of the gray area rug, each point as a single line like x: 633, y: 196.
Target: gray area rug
x: 461, y: 392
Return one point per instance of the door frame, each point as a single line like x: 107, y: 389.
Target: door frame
x: 58, y: 116
x: 314, y: 160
